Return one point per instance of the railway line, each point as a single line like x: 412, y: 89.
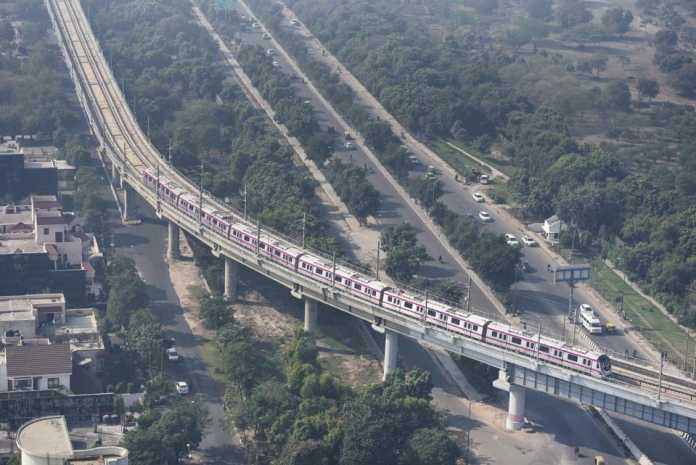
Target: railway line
x: 125, y: 143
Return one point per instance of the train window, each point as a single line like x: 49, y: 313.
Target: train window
x: 455, y: 321
x: 339, y: 279
x: 517, y: 340
x: 319, y: 272
x: 431, y: 312
x: 374, y: 293
x: 442, y: 316
x: 543, y: 349
x: 572, y: 358
x: 408, y: 305
x: 262, y: 245
x: 348, y: 283
x: 358, y: 287
x: 389, y: 299
x: 246, y: 238
x: 494, y: 333
x: 475, y: 328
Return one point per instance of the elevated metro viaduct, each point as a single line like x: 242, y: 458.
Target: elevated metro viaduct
x: 123, y: 142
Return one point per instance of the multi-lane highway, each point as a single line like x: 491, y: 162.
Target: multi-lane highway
x: 106, y: 104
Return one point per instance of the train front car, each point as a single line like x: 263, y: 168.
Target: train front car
x: 604, y: 363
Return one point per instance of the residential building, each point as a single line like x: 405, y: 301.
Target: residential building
x: 42, y: 247
x: 47, y: 441
x: 26, y: 170
x: 551, y: 229
x: 40, y: 325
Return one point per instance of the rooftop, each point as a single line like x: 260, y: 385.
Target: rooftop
x: 20, y: 246
x: 35, y: 360
x: 45, y: 437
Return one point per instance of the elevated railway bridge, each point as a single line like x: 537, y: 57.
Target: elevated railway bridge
x: 631, y: 390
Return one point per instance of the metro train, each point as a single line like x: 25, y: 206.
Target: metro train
x: 406, y: 303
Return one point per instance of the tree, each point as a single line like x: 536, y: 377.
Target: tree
x: 370, y: 436
x: 495, y: 260
x: 214, y: 311
x: 573, y: 12
x: 617, y: 96
x: 182, y: 427
x: 404, y: 254
x: 429, y: 446
x: 617, y: 20
x: 144, y: 337
x: 684, y: 80
x: 539, y: 9
x: 145, y: 447
x: 127, y: 293
x: 665, y: 39
x: 648, y: 88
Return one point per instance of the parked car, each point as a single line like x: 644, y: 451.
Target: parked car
x: 478, y: 197
x: 266, y: 36
x: 172, y: 354
x: 182, y: 387
x: 485, y: 216
x: 275, y: 63
x: 528, y: 241
x: 348, y: 145
x: 511, y: 240
x: 483, y: 179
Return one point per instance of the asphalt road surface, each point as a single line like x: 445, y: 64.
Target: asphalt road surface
x: 146, y: 245
x: 536, y: 296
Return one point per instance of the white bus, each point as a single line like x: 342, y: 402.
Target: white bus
x: 589, y: 320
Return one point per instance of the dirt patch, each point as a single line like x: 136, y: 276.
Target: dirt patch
x: 255, y: 312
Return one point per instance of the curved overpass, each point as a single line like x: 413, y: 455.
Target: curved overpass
x: 129, y: 150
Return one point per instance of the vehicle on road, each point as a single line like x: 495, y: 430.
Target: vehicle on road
x: 348, y: 145
x: 528, y: 241
x: 275, y: 63
x: 270, y: 52
x: 255, y: 25
x: 414, y: 160
x: 485, y: 216
x: 484, y: 179
x: 511, y: 240
x: 182, y: 387
x: 266, y: 36
x: 240, y: 234
x: 172, y: 354
x: 610, y: 328
x: 294, y: 22
x: 589, y: 319
x: 478, y: 197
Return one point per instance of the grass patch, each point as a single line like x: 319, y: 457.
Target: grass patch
x: 213, y: 360
x: 501, y: 165
x: 661, y: 331
x: 457, y: 160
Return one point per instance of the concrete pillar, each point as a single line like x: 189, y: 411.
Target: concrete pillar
x: 391, y: 352
x: 231, y: 278
x: 125, y: 203
x: 114, y: 173
x: 515, y: 416
x: 173, y: 243
x: 310, y: 315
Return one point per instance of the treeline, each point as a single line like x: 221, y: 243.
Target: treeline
x: 35, y: 90
x: 177, y: 87
x: 288, y: 411
x: 640, y: 219
x: 276, y: 87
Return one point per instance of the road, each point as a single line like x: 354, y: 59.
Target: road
x: 536, y: 296
x: 146, y: 245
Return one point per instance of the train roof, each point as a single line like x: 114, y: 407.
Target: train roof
x: 543, y: 339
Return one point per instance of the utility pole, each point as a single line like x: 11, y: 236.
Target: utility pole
x: 468, y: 295
x: 258, y: 237
x: 304, y: 229
x: 169, y: 151
x: 378, y: 244
x: 245, y: 201
x: 663, y: 355
x: 200, y: 198
x: 333, y: 271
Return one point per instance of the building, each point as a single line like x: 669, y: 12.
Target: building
x: 37, y: 365
x: 33, y: 170
x: 551, y: 229
x: 47, y: 441
x: 44, y: 343
x: 42, y: 247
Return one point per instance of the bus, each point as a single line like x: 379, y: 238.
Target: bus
x: 589, y: 320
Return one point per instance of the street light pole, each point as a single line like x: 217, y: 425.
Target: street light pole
x: 659, y: 382
x: 378, y: 259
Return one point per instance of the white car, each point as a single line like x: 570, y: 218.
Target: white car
x: 511, y: 240
x: 266, y: 36
x: 182, y: 387
x: 275, y: 63
x: 478, y: 197
x: 270, y: 52
x: 529, y: 242
x: 294, y: 22
x: 348, y: 145
x: 172, y: 354
x: 485, y: 216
